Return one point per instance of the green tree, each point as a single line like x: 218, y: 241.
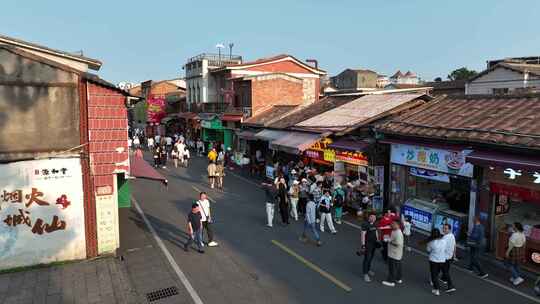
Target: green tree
x: 461, y: 74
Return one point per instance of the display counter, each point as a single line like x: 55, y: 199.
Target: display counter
x: 532, y: 248
x: 457, y: 220
x: 421, y: 212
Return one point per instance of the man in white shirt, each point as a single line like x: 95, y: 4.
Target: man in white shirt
x: 180, y: 148
x: 206, y: 218
x: 395, y: 254
x: 450, y: 253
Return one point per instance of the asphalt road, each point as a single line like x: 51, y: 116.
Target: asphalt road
x: 256, y: 264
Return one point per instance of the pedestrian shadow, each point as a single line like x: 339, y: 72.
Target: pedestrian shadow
x: 166, y: 231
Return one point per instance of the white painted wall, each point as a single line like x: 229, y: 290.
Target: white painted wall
x: 21, y: 244
x: 500, y: 78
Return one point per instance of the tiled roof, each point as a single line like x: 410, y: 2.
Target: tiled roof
x: 268, y: 116
x: 406, y: 85
x: 500, y: 120
x: 362, y: 111
x: 305, y: 112
x: 269, y: 60
x: 440, y: 85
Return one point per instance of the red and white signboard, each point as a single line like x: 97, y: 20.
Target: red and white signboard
x: 41, y: 212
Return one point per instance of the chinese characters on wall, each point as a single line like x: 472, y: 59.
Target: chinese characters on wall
x: 23, y: 202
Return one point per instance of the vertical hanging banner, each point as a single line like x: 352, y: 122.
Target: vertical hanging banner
x: 41, y: 212
x: 156, y: 110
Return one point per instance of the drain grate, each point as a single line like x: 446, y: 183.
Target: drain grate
x: 161, y: 294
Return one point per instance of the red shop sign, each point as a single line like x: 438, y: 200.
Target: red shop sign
x: 525, y: 194
x: 356, y: 158
x: 314, y: 154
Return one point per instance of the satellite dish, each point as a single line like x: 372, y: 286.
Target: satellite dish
x: 220, y: 46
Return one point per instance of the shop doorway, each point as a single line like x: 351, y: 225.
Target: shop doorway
x: 124, y: 191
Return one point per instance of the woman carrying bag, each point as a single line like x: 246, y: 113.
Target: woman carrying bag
x: 515, y: 254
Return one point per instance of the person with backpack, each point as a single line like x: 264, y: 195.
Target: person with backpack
x: 294, y: 193
x: 325, y: 208
x: 339, y: 199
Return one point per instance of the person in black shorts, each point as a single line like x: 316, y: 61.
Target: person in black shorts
x: 370, y: 242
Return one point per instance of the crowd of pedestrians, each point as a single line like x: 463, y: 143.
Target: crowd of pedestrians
x: 304, y: 193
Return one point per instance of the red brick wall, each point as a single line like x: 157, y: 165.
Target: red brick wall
x: 276, y: 91
x: 107, y: 124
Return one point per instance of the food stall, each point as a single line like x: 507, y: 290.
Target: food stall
x: 434, y: 186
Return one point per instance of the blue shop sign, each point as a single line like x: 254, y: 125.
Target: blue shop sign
x: 420, y: 219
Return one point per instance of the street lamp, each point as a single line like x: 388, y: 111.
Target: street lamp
x: 219, y: 46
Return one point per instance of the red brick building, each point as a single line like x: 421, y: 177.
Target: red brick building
x: 240, y: 91
x: 72, y: 153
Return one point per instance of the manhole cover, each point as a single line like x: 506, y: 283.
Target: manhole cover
x: 161, y: 294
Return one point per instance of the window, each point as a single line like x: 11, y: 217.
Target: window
x: 500, y: 91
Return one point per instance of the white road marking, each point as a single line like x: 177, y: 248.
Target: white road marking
x: 461, y: 269
x: 194, y: 295
x: 352, y: 225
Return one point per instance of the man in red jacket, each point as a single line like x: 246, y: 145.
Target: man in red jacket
x: 385, y: 228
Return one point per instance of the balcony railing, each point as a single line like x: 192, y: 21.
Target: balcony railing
x: 217, y: 59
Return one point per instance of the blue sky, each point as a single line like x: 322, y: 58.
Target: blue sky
x: 140, y: 40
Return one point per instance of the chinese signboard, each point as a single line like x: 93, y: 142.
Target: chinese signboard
x: 321, y: 145
x: 156, y: 110
x: 420, y: 218
x: 329, y: 155
x: 107, y: 223
x: 211, y: 124
x: 525, y: 194
x: 314, y: 154
x: 355, y: 158
x: 41, y: 212
x: 451, y: 162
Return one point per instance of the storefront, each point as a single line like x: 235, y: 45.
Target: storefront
x: 511, y: 185
x: 433, y: 185
x: 351, y: 164
x: 213, y: 131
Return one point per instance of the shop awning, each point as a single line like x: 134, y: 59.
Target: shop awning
x: 245, y: 134
x: 140, y: 168
x: 295, y: 142
x: 232, y: 117
x: 349, y: 144
x: 169, y: 118
x: 505, y: 160
x: 270, y: 135
x: 187, y: 115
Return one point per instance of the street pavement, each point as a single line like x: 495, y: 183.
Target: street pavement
x: 257, y: 264
x: 92, y: 281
